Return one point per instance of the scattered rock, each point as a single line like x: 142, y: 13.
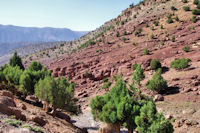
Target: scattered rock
x: 158, y: 97
x: 37, y: 119
x: 20, y: 130
x: 7, y: 94
x: 22, y: 106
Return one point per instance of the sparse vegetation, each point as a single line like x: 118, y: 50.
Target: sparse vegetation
x: 194, y: 19
x: 152, y: 36
x: 117, y: 35
x: 180, y: 63
x: 156, y: 23
x: 186, y: 48
x: 173, y: 8
x: 185, y: 1
x: 146, y: 51
x: 138, y: 32
x: 155, y: 64
x: 196, y: 2
x: 196, y: 11
x: 173, y: 39
x: 186, y: 8
x: 177, y: 18
x: 169, y: 20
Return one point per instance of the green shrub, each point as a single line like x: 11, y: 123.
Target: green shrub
x: 138, y: 32
x: 157, y: 83
x: 194, y: 19
x: 152, y: 36
x: 147, y: 25
x: 173, y: 8
x: 196, y: 2
x: 161, y: 27
x: 155, y: 64
x: 146, y: 51
x: 180, y: 63
x: 105, y: 80
x: 169, y: 20
x: 176, y: 18
x: 173, y: 39
x: 156, y: 23
x: 117, y: 35
x: 185, y: 1
x: 186, y: 8
x: 196, y: 11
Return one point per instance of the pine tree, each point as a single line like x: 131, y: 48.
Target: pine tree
x: 16, y: 61
x: 138, y: 75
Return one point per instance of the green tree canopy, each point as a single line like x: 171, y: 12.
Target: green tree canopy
x: 138, y: 75
x: 16, y: 61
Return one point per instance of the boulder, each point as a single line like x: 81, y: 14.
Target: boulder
x: 158, y: 98
x: 32, y: 98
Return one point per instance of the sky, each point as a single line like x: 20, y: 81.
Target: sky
x: 79, y: 15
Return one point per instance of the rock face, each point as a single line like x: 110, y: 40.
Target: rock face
x: 38, y: 119
x: 7, y: 94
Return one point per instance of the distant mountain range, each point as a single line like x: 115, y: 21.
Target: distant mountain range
x: 12, y: 37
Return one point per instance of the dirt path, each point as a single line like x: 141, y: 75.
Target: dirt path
x: 85, y: 120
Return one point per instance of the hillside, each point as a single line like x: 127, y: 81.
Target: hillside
x: 163, y: 28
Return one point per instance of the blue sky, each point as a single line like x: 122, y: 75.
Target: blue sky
x: 81, y: 15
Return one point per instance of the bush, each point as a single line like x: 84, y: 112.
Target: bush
x: 186, y: 49
x: 196, y: 2
x: 169, y: 20
x: 173, y: 39
x: 180, y: 63
x: 156, y: 23
x: 173, y: 8
x: 146, y: 51
x: 185, y: 1
x: 138, y: 32
x: 147, y: 25
x: 186, y: 8
x: 157, y: 83
x: 155, y: 64
x: 117, y: 35
x: 15, y: 60
x: 152, y: 36
x: 196, y: 11
x: 176, y: 18
x: 194, y: 19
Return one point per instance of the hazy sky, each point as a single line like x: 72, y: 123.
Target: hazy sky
x: 79, y: 15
